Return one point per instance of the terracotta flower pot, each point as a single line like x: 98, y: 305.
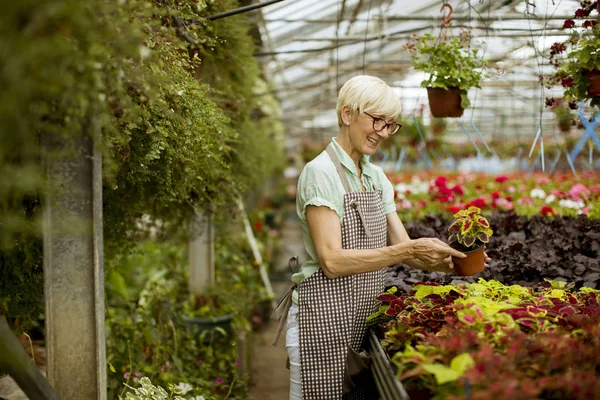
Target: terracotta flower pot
x: 470, y: 265
x: 594, y: 88
x: 445, y: 103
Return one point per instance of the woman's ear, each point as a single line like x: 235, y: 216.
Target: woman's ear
x: 346, y: 115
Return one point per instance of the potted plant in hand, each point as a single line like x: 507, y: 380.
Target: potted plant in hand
x: 453, y: 67
x: 577, y: 60
x: 469, y: 232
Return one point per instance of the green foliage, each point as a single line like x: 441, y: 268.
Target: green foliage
x: 145, y: 332
x: 177, y: 120
x: 450, y: 63
x: 470, y: 227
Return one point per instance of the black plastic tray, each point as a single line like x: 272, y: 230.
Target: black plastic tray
x: 389, y: 387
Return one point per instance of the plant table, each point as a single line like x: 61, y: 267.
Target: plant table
x: 389, y: 387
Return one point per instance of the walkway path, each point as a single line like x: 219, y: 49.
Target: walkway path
x: 270, y: 377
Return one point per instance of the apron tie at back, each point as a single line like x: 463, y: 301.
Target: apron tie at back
x: 283, y: 307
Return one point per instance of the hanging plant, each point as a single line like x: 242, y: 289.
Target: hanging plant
x: 577, y: 60
x: 453, y: 66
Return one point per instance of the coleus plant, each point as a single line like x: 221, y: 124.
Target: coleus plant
x: 470, y: 228
x: 440, y: 336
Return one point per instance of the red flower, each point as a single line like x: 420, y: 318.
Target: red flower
x: 440, y: 181
x: 443, y: 199
x: 567, y: 82
x: 569, y: 24
x: 547, y: 210
x: 501, y: 178
x: 258, y: 226
x: 496, y: 195
x: 508, y: 198
x: 580, y: 13
x: 479, y: 203
x: 454, y: 209
x: 458, y: 190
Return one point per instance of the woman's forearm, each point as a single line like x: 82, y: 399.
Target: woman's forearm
x: 344, y: 262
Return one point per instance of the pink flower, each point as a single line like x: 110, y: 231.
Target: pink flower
x: 511, y: 189
x: 126, y: 375
x: 579, y: 191
x: 219, y: 380
x: 501, y: 178
x: 585, y: 210
x: 504, y: 204
x: 525, y: 200
x: 543, y: 180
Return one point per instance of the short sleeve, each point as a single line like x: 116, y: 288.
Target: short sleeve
x: 317, y: 187
x: 387, y: 195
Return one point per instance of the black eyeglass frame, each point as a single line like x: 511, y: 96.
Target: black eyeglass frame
x: 386, y: 126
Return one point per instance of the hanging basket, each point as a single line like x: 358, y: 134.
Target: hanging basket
x: 594, y: 78
x: 445, y: 102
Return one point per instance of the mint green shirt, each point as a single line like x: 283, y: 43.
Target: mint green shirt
x: 320, y: 185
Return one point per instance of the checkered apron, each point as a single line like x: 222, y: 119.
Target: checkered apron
x: 333, y: 311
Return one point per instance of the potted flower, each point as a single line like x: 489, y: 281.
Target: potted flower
x: 209, y: 314
x: 577, y: 59
x: 469, y: 232
x: 453, y: 67
x: 562, y: 111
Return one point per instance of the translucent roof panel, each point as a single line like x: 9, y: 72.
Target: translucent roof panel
x: 313, y: 47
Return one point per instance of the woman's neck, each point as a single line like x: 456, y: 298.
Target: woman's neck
x: 343, y: 139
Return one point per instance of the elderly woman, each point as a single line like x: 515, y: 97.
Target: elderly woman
x: 351, y: 233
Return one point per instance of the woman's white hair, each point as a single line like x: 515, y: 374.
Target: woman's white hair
x: 368, y: 93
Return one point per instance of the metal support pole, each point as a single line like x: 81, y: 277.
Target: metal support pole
x: 242, y: 10
x: 73, y: 270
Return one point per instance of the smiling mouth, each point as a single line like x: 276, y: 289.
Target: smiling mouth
x: 373, y: 141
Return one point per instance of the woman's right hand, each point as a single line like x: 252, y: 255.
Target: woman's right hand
x: 434, y: 255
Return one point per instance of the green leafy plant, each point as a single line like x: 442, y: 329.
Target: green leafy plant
x: 579, y: 56
x: 149, y: 391
x: 449, y: 62
x: 470, y: 228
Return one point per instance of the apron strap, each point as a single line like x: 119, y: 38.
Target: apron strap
x: 339, y: 168
x: 283, y: 307
x: 346, y: 183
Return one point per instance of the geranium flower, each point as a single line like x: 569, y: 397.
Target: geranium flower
x: 584, y: 211
x: 504, y: 204
x: 455, y: 208
x: 458, y: 190
x: 501, y: 178
x: 495, y: 195
x: 550, y: 199
x: 579, y: 191
x: 546, y: 210
x: 569, y: 23
x: 478, y: 202
x: 576, y: 205
x: 537, y: 193
x: 440, y: 180
x: 525, y: 200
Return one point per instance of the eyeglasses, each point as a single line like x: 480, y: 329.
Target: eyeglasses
x: 380, y: 124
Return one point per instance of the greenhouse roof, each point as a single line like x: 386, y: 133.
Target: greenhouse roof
x: 312, y: 47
